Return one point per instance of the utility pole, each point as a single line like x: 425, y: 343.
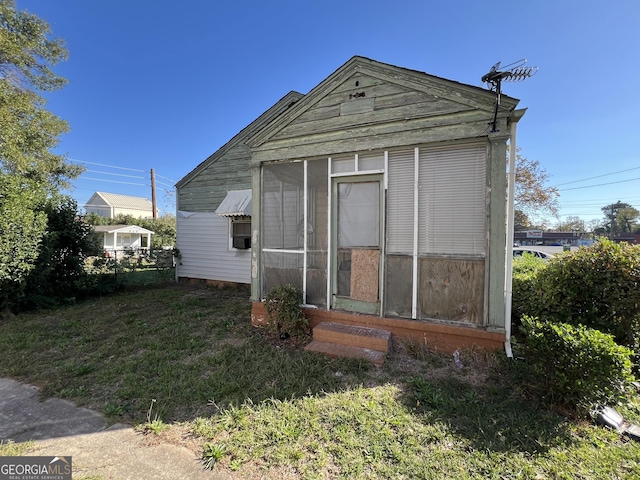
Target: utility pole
x: 153, y: 193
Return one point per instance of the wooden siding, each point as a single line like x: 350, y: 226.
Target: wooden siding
x: 207, y: 190
x: 368, y: 106
x: 203, y: 242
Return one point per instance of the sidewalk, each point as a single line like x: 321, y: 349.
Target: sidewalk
x: 98, y: 451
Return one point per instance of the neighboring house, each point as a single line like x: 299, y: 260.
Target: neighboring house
x: 381, y: 195
x: 112, y: 204
x: 123, y: 237
x: 213, y: 221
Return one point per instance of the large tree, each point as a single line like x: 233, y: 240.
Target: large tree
x: 29, y: 131
x: 533, y: 197
x: 29, y: 171
x: 619, y: 217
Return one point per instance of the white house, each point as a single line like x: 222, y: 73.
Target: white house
x: 112, y: 204
x: 123, y: 237
x: 214, y: 203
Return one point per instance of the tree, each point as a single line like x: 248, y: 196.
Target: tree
x: 59, y: 272
x: 29, y: 171
x: 29, y: 131
x: 627, y: 219
x: 532, y: 196
x: 572, y: 224
x: 22, y: 227
x: 521, y: 221
x: 619, y: 217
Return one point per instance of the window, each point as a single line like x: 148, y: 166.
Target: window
x: 241, y: 233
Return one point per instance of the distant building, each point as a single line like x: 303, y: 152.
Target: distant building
x: 112, y: 204
x: 628, y: 237
x: 539, y: 237
x: 114, y: 238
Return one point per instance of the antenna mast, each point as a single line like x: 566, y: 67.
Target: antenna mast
x: 514, y: 72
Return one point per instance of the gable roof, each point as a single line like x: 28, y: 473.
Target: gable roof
x: 119, y: 201
x: 277, y: 109
x: 469, y: 96
x: 120, y: 229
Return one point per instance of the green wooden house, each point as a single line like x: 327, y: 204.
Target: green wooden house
x: 381, y: 195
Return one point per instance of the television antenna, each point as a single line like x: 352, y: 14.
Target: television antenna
x: 514, y: 72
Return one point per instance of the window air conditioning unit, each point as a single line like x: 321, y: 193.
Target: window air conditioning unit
x: 242, y: 242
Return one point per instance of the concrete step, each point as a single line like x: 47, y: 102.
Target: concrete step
x: 353, y: 336
x: 337, y: 350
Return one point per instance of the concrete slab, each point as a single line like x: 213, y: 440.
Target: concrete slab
x: 117, y: 452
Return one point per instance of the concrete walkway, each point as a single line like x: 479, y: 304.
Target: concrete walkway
x: 98, y: 451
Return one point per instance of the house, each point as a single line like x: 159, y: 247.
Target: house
x: 380, y: 194
x: 112, y: 204
x: 115, y: 238
x: 214, y: 208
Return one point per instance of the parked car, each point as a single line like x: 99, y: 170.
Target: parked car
x: 519, y: 251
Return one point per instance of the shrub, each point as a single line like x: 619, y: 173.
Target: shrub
x: 284, y: 311
x: 576, y: 366
x: 598, y: 287
x: 526, y: 269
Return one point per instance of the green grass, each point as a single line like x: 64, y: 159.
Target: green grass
x: 12, y: 449
x: 187, y: 357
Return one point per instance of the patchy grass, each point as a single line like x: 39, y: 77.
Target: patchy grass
x: 187, y: 357
x: 12, y: 449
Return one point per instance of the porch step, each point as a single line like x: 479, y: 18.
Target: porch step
x: 337, y: 339
x: 338, y: 350
x: 353, y: 335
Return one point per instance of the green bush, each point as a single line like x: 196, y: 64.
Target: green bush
x: 598, y: 287
x: 284, y: 311
x: 576, y: 366
x: 526, y: 269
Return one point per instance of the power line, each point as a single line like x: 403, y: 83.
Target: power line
x: 165, y: 184
x: 170, y: 179
x: 597, y: 176
x: 115, y: 181
x: 598, y: 185
x: 118, y: 174
x: 105, y: 165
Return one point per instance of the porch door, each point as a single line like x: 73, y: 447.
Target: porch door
x: 357, y: 244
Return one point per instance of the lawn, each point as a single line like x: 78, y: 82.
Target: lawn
x: 187, y: 357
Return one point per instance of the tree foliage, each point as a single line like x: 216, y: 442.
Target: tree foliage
x: 619, y: 217
x: 532, y: 195
x: 572, y: 224
x: 59, y: 274
x: 31, y: 175
x: 22, y: 227
x: 29, y: 131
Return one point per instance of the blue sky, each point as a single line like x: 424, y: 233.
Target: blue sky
x: 163, y: 84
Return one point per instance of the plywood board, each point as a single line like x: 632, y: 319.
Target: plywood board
x: 451, y: 289
x: 365, y: 265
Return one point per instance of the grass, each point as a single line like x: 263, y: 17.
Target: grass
x: 183, y: 362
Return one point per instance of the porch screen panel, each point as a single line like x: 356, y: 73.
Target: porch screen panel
x: 400, y: 194
x: 317, y: 238
x: 452, y: 200
x: 281, y: 268
x: 283, y: 206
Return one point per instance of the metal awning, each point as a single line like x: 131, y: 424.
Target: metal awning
x: 236, y: 203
